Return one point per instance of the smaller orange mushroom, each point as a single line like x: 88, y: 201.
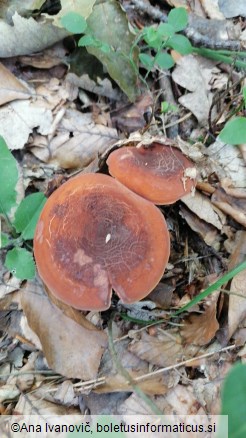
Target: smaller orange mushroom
x: 159, y: 172
x: 95, y: 235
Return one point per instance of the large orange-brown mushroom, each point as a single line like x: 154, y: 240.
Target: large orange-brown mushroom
x: 95, y: 235
x: 158, y: 172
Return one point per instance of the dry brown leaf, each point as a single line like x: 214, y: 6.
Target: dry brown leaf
x: 227, y: 162
x: 71, y: 349
x: 25, y: 379
x: 164, y: 350
x: 34, y: 404
x: 136, y: 367
x: 200, y: 329
x: 131, y: 118
x: 234, y: 207
x: 10, y: 87
x: 103, y: 87
x: 77, y: 143
x: 65, y: 393
x: 152, y: 386
x: 202, y: 71
x: 18, y: 119
x: 204, y: 209
x: 237, y: 299
x: 178, y: 401
x: 182, y: 401
x: 207, y: 231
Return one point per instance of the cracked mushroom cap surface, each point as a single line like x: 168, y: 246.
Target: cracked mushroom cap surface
x: 95, y: 235
x: 158, y: 172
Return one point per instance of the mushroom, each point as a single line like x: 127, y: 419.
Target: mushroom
x: 159, y: 173
x: 95, y: 235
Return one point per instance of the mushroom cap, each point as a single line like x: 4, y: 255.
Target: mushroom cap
x: 157, y: 173
x: 95, y: 235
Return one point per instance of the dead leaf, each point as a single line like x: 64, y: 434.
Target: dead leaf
x: 101, y: 87
x: 227, y: 162
x: 178, y: 401
x: 164, y: 350
x: 115, y: 382
x: 25, y: 379
x: 205, y: 230
x: 27, y: 36
x: 65, y: 393
x: 18, y: 119
x: 77, y: 143
x: 201, y: 329
x: 237, y: 297
x: 10, y: 87
x: 71, y: 349
x: 131, y: 118
x: 34, y: 404
x: 204, y: 209
x: 199, y: 100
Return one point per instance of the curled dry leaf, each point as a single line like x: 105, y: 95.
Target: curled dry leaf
x: 77, y: 143
x: 204, y: 209
x: 200, y: 329
x: 11, y: 88
x: 207, y: 231
x: 237, y: 299
x: 24, y: 116
x: 62, y: 337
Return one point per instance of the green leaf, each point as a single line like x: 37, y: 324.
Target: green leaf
x: 181, y: 44
x: 88, y: 40
x: 74, y: 22
x: 4, y: 240
x: 146, y: 60
x: 8, y: 178
x: 178, y: 18
x: 234, y: 400
x: 108, y: 23
x: 152, y: 38
x: 20, y: 262
x: 165, y: 30
x: 166, y: 106
x: 234, y: 131
x: 27, y: 215
x: 164, y: 60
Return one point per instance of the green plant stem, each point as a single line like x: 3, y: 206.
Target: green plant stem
x: 125, y: 374
x: 218, y: 55
x: 227, y: 277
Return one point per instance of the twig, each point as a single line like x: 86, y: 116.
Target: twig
x: 185, y: 362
